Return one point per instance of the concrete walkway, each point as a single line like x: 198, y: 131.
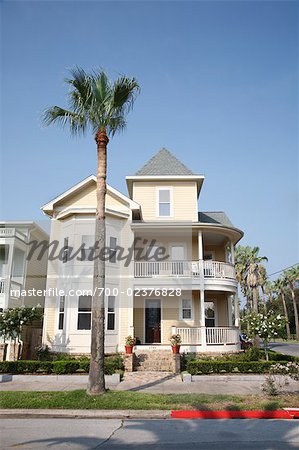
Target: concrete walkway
x: 285, y: 348
x: 150, y: 382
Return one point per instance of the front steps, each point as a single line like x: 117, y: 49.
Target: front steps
x: 156, y: 361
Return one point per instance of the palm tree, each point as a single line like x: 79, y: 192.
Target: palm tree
x: 250, y: 273
x: 280, y: 286
x: 291, y: 277
x: 100, y: 105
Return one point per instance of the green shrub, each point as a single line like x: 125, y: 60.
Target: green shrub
x: 206, y: 367
x: 113, y: 363
x: 25, y: 367
x: 65, y: 367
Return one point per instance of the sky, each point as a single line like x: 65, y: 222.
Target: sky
x: 219, y: 89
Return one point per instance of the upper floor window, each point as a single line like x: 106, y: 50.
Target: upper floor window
x: 112, y: 249
x: 84, y: 312
x: 164, y: 203
x: 65, y: 249
x: 61, y: 313
x: 87, y: 247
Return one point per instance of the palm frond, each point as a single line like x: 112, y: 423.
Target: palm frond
x: 62, y: 116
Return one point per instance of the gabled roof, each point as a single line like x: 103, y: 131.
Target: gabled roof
x: 217, y: 217
x: 164, y: 163
x: 81, y: 185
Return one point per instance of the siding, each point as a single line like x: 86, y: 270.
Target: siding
x: 184, y: 199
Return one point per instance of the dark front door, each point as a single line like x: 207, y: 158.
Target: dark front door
x: 153, y: 321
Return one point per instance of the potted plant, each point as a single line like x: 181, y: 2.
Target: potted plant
x: 130, y: 342
x: 175, y: 342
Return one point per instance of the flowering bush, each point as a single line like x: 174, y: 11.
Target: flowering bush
x: 279, y: 375
x: 130, y: 341
x: 266, y: 326
x: 12, y: 320
x: 175, y: 340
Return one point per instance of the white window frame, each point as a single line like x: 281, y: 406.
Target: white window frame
x: 164, y: 188
x: 181, y: 310
x: 207, y: 300
x: 107, y: 314
x: 61, y: 330
x: 85, y: 330
x: 112, y: 250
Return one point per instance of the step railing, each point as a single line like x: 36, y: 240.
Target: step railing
x: 178, y: 269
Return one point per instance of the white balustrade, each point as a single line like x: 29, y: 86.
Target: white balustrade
x: 160, y: 269
x: 214, y: 335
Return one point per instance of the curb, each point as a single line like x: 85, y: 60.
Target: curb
x: 84, y: 414
x: 286, y: 414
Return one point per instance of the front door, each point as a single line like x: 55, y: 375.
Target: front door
x: 153, y: 321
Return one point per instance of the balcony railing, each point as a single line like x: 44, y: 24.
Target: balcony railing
x: 194, y: 269
x: 12, y: 232
x: 213, y: 335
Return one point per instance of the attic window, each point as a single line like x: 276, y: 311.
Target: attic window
x: 164, y: 202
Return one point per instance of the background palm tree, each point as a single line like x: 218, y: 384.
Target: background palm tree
x: 279, y: 287
x: 291, y: 278
x: 250, y: 273
x: 100, y: 105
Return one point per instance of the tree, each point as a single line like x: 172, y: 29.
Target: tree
x: 291, y: 278
x: 280, y: 288
x: 100, y: 105
x: 13, y: 320
x: 250, y: 273
x: 266, y: 326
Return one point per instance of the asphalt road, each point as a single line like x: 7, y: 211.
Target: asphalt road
x: 286, y: 349
x: 149, y: 434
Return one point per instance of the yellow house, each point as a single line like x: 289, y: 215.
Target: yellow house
x: 169, y: 268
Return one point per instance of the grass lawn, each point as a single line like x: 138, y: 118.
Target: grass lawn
x: 134, y: 400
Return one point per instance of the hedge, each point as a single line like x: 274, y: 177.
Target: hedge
x: 206, y: 367
x: 112, y: 364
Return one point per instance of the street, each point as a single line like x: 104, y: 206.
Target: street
x: 149, y: 434
x: 285, y: 348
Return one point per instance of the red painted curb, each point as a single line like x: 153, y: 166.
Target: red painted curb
x: 256, y: 414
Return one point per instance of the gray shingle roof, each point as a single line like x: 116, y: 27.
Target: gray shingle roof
x: 214, y: 217
x: 164, y: 163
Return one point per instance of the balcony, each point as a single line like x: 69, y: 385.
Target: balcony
x: 12, y: 232
x: 184, y: 269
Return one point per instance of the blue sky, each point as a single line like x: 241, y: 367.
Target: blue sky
x: 219, y: 89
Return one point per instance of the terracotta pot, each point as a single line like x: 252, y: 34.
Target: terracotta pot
x: 175, y: 349
x: 129, y: 349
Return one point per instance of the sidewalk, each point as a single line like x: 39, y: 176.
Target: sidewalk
x: 151, y: 382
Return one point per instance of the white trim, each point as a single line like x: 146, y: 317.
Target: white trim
x: 92, y: 178
x: 164, y: 188
x: 88, y: 210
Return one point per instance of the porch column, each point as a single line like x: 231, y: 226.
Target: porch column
x: 237, y: 313
x: 229, y: 310
x: 202, y: 320
x: 232, y: 252
x: 200, y: 247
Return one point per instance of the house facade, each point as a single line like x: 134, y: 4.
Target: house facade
x: 22, y: 281
x: 169, y: 267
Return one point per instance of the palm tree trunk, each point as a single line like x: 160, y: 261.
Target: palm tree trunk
x: 295, y: 310
x: 96, y: 382
x: 286, y: 315
x: 255, y: 299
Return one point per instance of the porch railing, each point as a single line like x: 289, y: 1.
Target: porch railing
x: 194, y: 269
x: 213, y: 335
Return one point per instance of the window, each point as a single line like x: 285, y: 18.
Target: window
x: 209, y: 314
x: 186, y: 309
x: 84, y: 312
x: 164, y: 202
x: 87, y: 246
x: 112, y: 250
x: 61, y: 313
x: 111, y: 313
x: 65, y: 249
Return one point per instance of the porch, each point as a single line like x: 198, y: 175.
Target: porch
x: 206, y: 321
